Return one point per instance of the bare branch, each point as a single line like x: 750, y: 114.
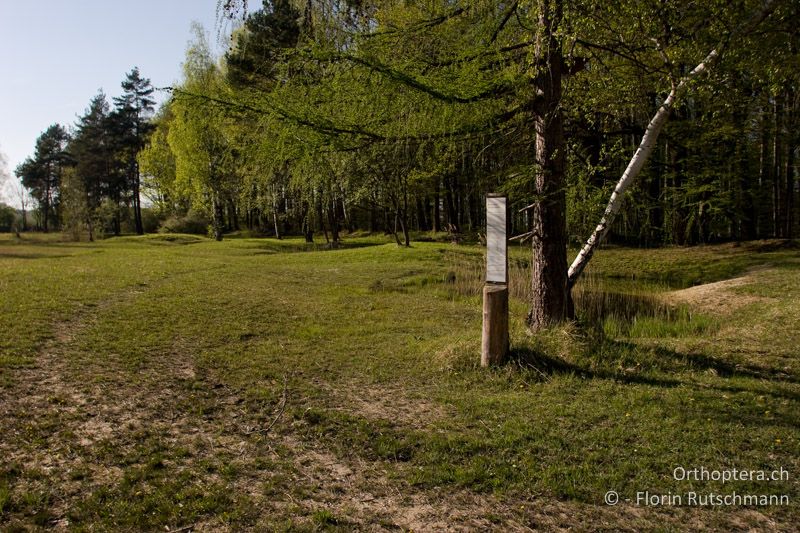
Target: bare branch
x: 510, y: 11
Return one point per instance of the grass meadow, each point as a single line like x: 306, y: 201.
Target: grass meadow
x: 170, y: 382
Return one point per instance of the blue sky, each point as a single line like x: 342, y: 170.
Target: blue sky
x: 56, y: 54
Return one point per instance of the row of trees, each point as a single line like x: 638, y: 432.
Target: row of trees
x: 402, y: 116
x: 89, y: 175
x: 396, y: 116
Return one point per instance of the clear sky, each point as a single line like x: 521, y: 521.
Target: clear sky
x: 56, y: 54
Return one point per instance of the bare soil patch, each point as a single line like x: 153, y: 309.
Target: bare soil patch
x: 719, y: 297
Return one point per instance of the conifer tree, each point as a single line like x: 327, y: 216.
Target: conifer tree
x: 97, y: 170
x: 41, y: 174
x: 133, y: 111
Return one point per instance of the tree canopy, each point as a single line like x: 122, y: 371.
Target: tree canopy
x: 645, y: 123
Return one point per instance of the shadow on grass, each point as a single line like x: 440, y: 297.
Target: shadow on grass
x: 12, y: 255
x: 547, y: 366
x: 772, y: 246
x: 276, y: 246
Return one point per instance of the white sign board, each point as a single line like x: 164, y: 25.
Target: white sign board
x: 496, y: 240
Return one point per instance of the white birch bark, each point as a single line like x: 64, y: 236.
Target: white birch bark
x: 646, y: 146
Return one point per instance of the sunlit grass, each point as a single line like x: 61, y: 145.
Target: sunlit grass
x: 377, y: 347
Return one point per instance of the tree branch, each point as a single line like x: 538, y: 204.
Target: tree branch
x: 410, y: 81
x: 421, y: 25
x: 327, y: 127
x: 510, y: 11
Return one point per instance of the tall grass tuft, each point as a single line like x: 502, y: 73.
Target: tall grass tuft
x: 618, y: 307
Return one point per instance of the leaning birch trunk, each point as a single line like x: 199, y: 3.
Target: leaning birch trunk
x: 631, y: 172
x: 646, y: 147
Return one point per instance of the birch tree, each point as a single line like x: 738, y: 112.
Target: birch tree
x: 678, y: 86
x: 197, y: 137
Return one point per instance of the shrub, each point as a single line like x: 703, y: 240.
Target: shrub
x: 8, y: 217
x: 150, y: 220
x: 193, y: 222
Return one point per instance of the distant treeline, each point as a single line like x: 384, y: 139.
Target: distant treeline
x: 394, y: 117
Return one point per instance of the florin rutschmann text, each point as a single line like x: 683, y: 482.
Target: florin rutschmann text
x: 711, y: 499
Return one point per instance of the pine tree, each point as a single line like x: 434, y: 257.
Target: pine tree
x: 267, y: 33
x: 98, y: 171
x: 133, y: 111
x: 41, y: 174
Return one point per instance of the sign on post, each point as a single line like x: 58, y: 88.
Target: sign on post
x: 496, y: 239
x: 494, y: 341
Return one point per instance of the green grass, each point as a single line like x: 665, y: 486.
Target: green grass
x: 268, y: 384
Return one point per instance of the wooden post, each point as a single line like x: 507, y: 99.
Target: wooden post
x: 494, y: 343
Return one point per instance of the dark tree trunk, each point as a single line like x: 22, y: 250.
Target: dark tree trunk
x: 333, y: 222
x: 320, y: 214
x: 745, y: 223
x: 788, y: 195
x: 404, y: 217
x: 474, y: 212
x: 458, y: 203
x: 372, y: 218
x: 777, y: 155
x: 234, y: 215
x: 395, y: 232
x: 117, y: 223
x: 137, y: 203
x: 550, y: 301
x: 655, y: 213
x: 387, y: 228
x: 46, y: 206
x: 45, y: 216
x: 680, y: 213
x: 764, y: 175
x: 422, y: 224
x: 428, y: 210
x: 437, y: 216
x: 308, y: 230
x: 451, y: 208
x: 218, y: 221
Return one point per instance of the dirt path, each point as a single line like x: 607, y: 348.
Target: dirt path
x: 719, y: 297
x: 54, y: 421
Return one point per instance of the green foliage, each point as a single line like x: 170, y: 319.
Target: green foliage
x: 131, y: 117
x: 41, y: 173
x: 157, y: 164
x: 415, y: 99
x: 76, y: 216
x: 256, y: 55
x: 400, y: 117
x: 196, y: 137
x: 8, y: 217
x: 102, y: 151
x: 193, y: 222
